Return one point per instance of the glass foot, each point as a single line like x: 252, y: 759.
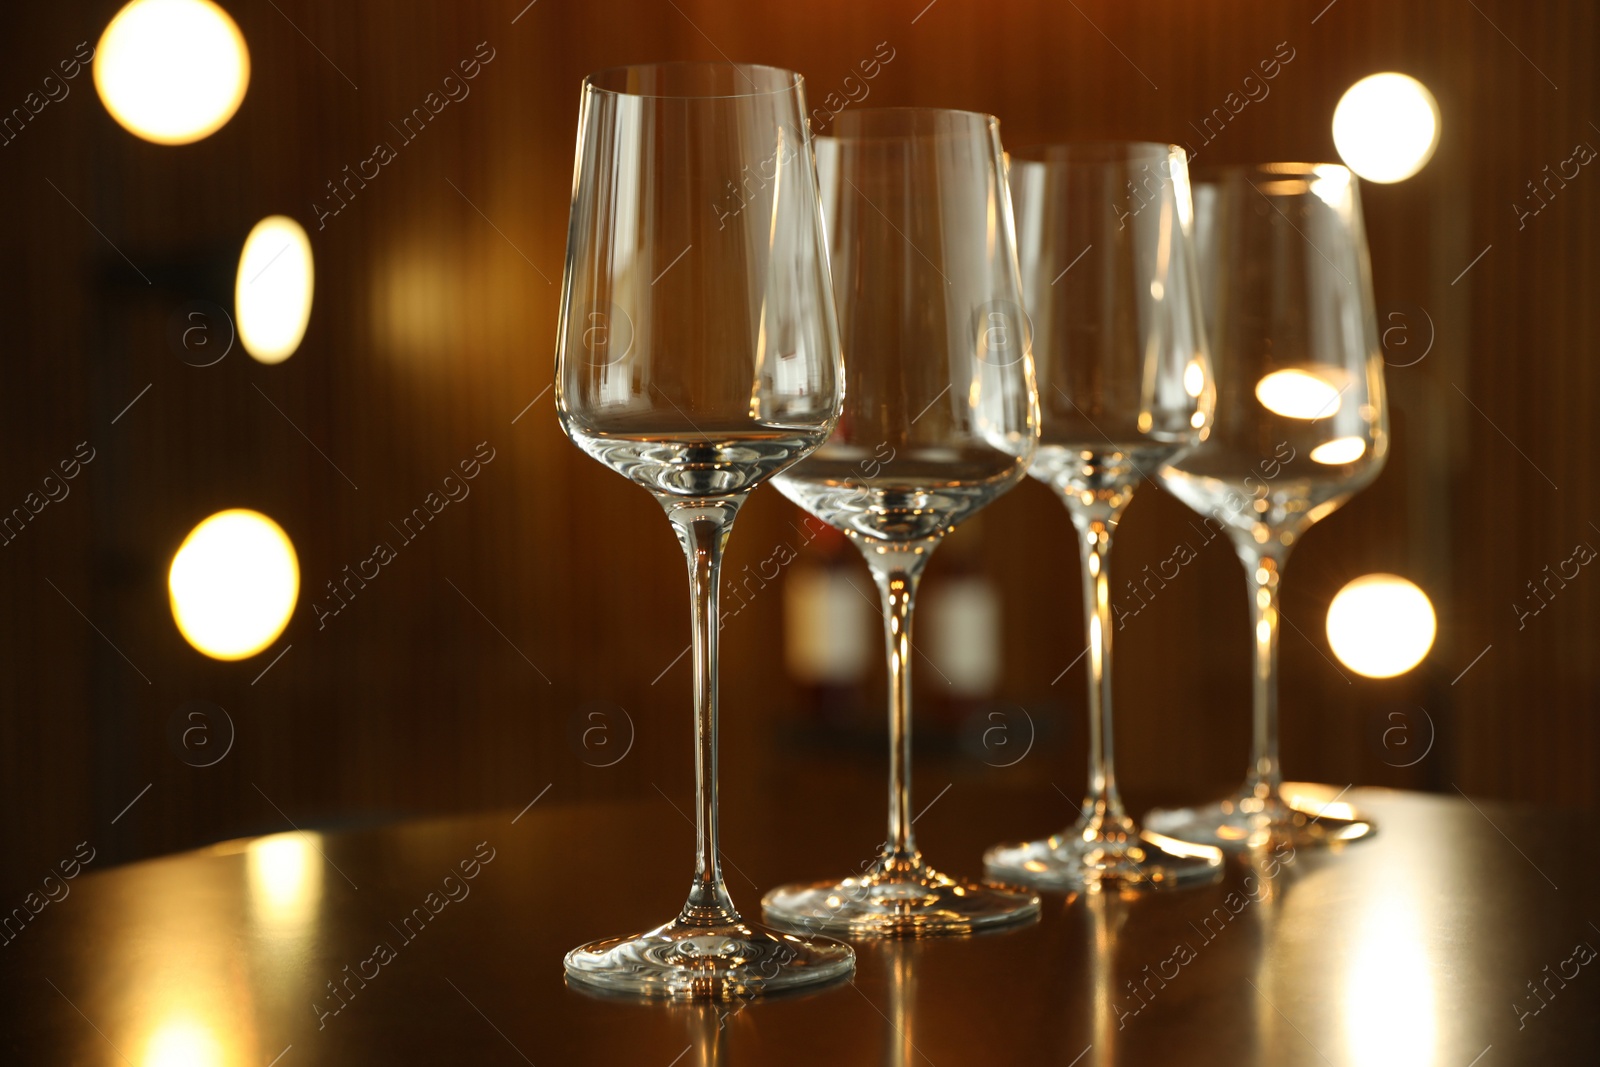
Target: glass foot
x: 897, y: 898
x: 683, y: 962
x: 1301, y: 814
x: 1093, y: 858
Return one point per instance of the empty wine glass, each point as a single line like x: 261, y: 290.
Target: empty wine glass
x: 1300, y: 425
x: 1105, y: 237
x: 940, y: 418
x: 699, y: 355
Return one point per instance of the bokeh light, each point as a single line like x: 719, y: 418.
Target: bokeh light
x: 1298, y: 394
x: 1386, y: 127
x: 1381, y: 625
x: 172, y: 71
x: 234, y: 583
x: 273, y: 288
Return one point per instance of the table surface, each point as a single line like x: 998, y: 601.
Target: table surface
x: 1457, y: 936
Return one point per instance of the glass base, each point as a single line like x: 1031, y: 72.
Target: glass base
x: 1097, y: 858
x: 898, y: 898
x: 1301, y: 814
x: 683, y: 962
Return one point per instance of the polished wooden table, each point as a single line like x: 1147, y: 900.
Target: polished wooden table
x: 1460, y: 936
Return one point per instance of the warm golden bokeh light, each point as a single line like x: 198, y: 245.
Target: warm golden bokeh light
x: 273, y: 288
x: 1386, y: 127
x: 1298, y: 394
x: 234, y: 583
x: 172, y: 71
x: 1381, y: 625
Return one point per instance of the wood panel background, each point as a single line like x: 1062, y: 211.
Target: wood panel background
x: 460, y: 678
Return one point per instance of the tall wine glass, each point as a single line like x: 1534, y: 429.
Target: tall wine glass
x: 940, y: 418
x: 699, y: 355
x: 1301, y: 424
x: 1108, y: 276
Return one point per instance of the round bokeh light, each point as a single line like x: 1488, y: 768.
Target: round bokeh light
x: 234, y: 583
x: 1386, y: 127
x: 172, y: 71
x: 1381, y: 625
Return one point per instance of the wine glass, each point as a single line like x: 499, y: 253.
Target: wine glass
x: 1105, y: 236
x: 940, y: 418
x: 698, y: 356
x: 1300, y: 425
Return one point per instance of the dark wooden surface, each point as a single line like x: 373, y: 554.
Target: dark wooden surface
x: 1413, y: 949
x: 434, y: 326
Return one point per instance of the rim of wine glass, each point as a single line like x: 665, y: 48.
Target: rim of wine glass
x: 1095, y: 153
x: 793, y: 80
x: 1213, y: 173
x: 856, y: 117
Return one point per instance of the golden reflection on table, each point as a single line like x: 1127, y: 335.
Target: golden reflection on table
x: 198, y: 1007
x: 1423, y: 945
x: 189, y: 1008
x: 1387, y: 990
x: 285, y: 883
x: 900, y: 1044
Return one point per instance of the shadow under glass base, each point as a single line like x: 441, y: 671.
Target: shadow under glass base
x: 1301, y: 814
x: 680, y: 961
x: 1087, y: 858
x: 898, y: 898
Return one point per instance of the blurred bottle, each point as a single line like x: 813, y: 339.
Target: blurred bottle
x: 960, y: 632
x: 831, y: 629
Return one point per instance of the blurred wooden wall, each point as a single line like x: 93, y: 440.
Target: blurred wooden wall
x: 455, y: 679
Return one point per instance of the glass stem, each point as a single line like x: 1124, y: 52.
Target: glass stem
x: 702, y: 527
x: 897, y: 574
x: 1262, y: 572
x: 1095, y: 514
